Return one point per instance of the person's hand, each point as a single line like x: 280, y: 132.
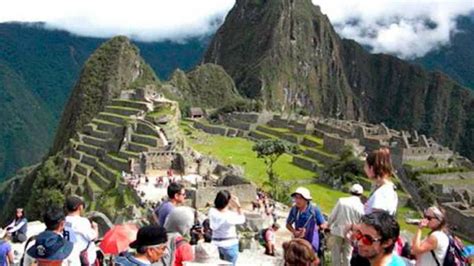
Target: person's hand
x: 423, y: 223
x: 235, y: 201
x: 94, y: 225
x: 299, y: 233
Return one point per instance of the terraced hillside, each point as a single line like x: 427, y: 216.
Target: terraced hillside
x: 106, y: 147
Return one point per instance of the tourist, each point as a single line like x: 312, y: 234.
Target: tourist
x: 378, y: 168
x: 176, y: 196
x: 305, y: 220
x: 376, y: 236
x: 222, y: 220
x: 6, y: 252
x: 299, y: 252
x: 18, y: 227
x: 269, y: 237
x: 80, y: 231
x: 348, y: 211
x: 178, y: 226
x: 50, y: 247
x: 432, y: 250
x: 150, y: 247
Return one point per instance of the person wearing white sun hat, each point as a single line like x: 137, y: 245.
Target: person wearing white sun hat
x: 305, y: 220
x: 348, y: 210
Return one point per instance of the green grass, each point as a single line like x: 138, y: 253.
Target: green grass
x: 319, y: 141
x: 162, y: 111
x: 420, y: 164
x: 454, y: 181
x: 239, y: 151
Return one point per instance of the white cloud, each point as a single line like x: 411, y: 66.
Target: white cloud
x: 405, y: 28
x: 147, y: 20
x: 401, y: 27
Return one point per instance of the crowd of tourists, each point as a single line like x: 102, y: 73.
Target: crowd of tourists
x: 358, y: 231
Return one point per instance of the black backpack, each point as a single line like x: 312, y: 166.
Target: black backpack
x: 454, y: 254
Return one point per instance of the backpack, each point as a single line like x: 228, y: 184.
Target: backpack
x: 454, y: 254
x: 261, y: 237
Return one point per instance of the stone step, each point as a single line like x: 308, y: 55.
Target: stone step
x: 100, y: 134
x: 113, y: 118
x: 121, y: 110
x: 98, y: 179
x: 116, y: 162
x: 131, y: 104
x: 321, y: 156
x: 93, y: 141
x: 137, y: 147
x: 108, y: 172
x: 91, y: 189
x: 89, y: 160
x: 91, y: 150
x: 128, y: 154
x: 307, y: 163
x: 104, y: 125
x: 78, y: 179
x: 259, y: 135
x: 145, y: 129
x: 83, y: 169
x: 146, y: 140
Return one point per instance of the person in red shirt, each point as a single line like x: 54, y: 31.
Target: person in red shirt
x: 178, y: 225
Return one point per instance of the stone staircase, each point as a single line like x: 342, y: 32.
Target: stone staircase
x: 102, y: 150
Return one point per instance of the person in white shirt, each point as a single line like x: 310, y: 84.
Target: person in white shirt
x: 432, y: 250
x: 80, y: 231
x: 378, y: 168
x: 348, y: 210
x: 222, y: 221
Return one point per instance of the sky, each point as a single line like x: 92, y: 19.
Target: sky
x: 405, y: 28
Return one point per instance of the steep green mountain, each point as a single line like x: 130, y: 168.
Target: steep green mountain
x: 115, y: 66
x: 457, y: 58
x: 38, y: 69
x: 207, y: 85
x: 287, y: 53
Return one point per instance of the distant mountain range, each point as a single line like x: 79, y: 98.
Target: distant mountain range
x: 38, y: 69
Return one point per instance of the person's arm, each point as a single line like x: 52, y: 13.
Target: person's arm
x: 11, y: 225
x: 418, y: 247
x: 10, y: 256
x: 290, y: 220
x: 320, y: 221
x: 334, y: 214
x: 17, y: 227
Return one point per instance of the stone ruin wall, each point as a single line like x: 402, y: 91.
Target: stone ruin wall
x: 203, y: 195
x: 462, y: 220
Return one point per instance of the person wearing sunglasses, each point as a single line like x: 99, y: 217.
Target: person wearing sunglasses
x: 432, y: 250
x: 150, y: 246
x: 376, y: 236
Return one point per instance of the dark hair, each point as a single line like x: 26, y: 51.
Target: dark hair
x: 22, y: 213
x: 381, y: 162
x: 52, y: 217
x: 222, y: 199
x: 386, y: 226
x: 298, y: 252
x: 173, y: 189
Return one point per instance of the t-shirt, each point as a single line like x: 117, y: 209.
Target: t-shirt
x: 184, y: 252
x: 163, y: 211
x: 5, y: 248
x: 310, y: 219
x: 78, y: 230
x: 129, y: 260
x: 396, y: 261
x: 426, y: 259
x: 383, y: 198
x: 223, y: 224
x: 270, y: 236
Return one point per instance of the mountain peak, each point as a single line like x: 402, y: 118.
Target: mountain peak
x: 115, y: 66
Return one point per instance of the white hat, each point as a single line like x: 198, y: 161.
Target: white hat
x: 207, y: 254
x: 357, y: 189
x: 304, y: 192
x: 2, y: 233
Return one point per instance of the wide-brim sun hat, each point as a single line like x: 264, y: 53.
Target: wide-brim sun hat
x: 304, y: 192
x: 207, y: 254
x: 50, y: 246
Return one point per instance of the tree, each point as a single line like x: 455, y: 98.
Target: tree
x: 270, y: 150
